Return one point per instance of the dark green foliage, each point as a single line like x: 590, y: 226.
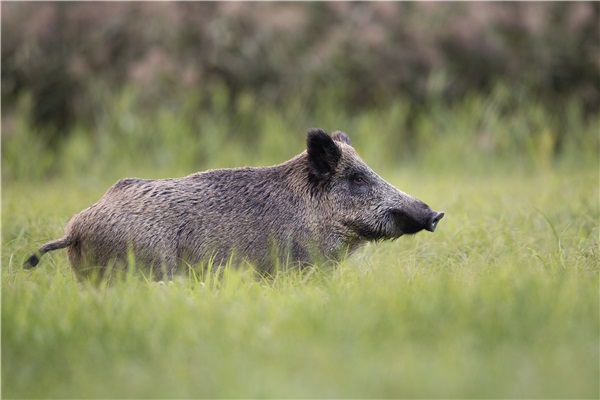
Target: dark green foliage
x: 361, y: 56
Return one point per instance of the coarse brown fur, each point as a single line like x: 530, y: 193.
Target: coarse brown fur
x: 319, y: 205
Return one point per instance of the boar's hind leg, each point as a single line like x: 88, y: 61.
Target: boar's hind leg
x: 85, y: 262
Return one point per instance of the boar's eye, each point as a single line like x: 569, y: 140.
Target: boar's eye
x: 359, y: 183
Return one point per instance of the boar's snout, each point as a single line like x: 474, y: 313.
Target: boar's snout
x: 417, y: 219
x: 434, y: 221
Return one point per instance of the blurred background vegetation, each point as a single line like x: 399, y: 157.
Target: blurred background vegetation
x: 168, y: 88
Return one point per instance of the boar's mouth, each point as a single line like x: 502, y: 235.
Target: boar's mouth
x: 366, y: 232
x: 387, y: 229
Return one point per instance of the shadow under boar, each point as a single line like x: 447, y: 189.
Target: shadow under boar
x: 320, y: 205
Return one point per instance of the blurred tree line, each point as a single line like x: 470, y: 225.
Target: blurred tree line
x: 362, y: 55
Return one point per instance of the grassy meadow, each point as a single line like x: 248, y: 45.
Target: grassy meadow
x: 501, y: 301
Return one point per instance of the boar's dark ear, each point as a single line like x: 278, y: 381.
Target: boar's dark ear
x: 323, y: 154
x: 340, y: 136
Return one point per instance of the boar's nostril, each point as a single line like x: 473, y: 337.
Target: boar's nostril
x: 434, y: 221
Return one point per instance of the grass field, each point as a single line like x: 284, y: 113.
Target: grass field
x: 501, y: 301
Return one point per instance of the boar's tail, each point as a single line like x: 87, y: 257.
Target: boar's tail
x: 50, y: 246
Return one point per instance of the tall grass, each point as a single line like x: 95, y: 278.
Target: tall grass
x: 501, y: 301
x: 498, y: 132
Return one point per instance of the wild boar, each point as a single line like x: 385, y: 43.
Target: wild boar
x: 320, y: 205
